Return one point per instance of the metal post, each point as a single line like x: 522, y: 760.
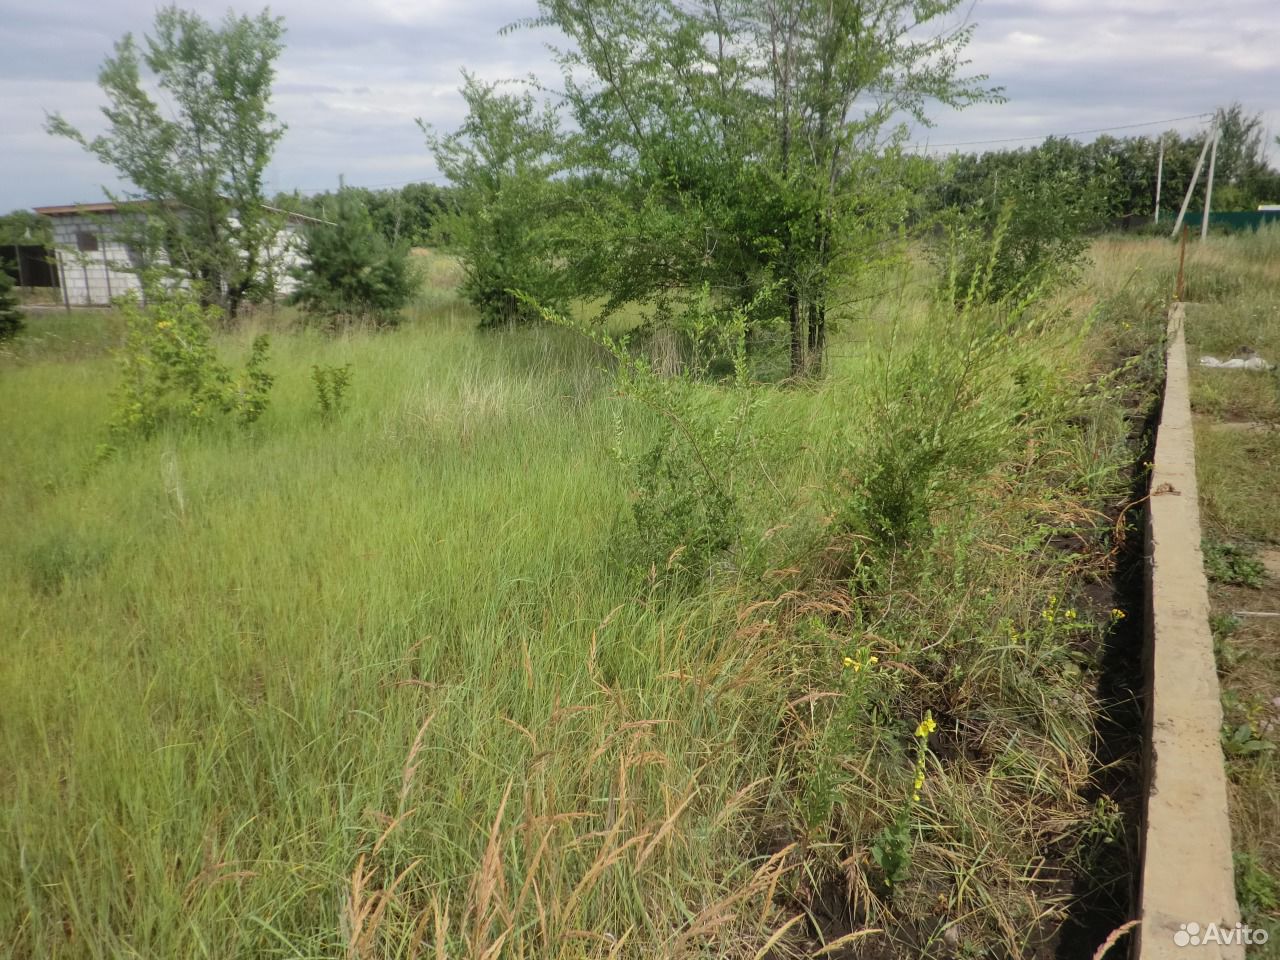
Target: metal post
x: 1159, y: 178
x: 62, y: 280
x: 1208, y: 190
x: 1192, y: 185
x: 106, y: 266
x: 1182, y: 260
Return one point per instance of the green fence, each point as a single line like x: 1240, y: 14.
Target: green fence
x: 1235, y: 221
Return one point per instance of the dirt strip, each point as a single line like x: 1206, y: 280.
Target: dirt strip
x: 1187, y: 878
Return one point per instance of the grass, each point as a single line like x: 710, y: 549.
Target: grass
x: 1237, y: 459
x: 389, y: 686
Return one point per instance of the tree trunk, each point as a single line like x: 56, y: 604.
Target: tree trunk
x: 797, y: 329
x: 817, y: 337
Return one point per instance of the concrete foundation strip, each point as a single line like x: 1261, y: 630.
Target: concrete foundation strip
x: 1187, y: 880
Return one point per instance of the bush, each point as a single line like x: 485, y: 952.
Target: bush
x: 944, y: 410
x: 171, y: 372
x: 1025, y: 229
x: 688, y: 502
x: 10, y: 315
x: 331, y: 388
x: 351, y: 273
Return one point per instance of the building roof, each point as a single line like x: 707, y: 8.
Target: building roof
x: 73, y: 209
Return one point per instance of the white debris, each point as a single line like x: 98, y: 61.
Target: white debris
x: 1237, y: 363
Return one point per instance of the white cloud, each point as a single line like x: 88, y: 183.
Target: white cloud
x: 353, y: 80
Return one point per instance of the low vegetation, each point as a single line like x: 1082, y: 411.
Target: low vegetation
x: 429, y: 675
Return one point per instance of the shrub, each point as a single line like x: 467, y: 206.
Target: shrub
x: 944, y: 410
x: 1024, y: 229
x: 687, y: 512
x: 10, y: 315
x: 351, y: 273
x: 331, y: 387
x: 171, y: 372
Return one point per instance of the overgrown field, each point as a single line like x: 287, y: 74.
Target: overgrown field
x: 1237, y: 460
x: 425, y: 677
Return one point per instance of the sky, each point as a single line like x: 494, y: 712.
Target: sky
x: 354, y: 77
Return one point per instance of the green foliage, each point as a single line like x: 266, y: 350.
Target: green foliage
x: 714, y: 143
x: 1042, y: 210
x: 60, y: 558
x: 942, y: 412
x: 170, y: 372
x: 501, y: 164
x: 197, y: 157
x: 20, y: 227
x: 331, y: 384
x: 1234, y: 564
x: 10, y: 315
x: 411, y: 214
x: 1257, y: 889
x: 351, y: 273
x: 891, y: 850
x: 688, y: 501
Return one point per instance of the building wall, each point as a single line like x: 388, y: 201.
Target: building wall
x: 92, y: 278
x: 95, y: 278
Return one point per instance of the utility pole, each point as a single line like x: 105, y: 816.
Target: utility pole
x: 1208, y: 190
x: 1195, y: 177
x: 1159, y: 178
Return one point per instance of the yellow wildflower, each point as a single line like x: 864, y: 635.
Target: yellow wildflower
x: 927, y: 725
x: 1071, y: 614
x: 849, y: 662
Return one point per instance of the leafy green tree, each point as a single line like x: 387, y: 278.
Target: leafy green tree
x: 350, y: 271
x: 742, y: 144
x: 10, y: 315
x: 501, y: 163
x: 197, y: 159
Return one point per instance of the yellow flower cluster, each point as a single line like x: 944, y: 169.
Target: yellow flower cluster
x: 856, y: 665
x: 926, y: 727
x: 1117, y: 614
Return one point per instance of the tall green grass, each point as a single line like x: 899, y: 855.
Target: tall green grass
x: 381, y: 685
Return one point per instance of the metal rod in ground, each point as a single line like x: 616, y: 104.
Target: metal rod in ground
x: 62, y: 281
x: 1182, y: 260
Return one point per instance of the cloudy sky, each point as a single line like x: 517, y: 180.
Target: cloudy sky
x: 355, y: 76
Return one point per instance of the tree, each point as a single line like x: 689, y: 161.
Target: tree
x: 351, y: 272
x: 10, y: 315
x: 195, y: 159
x: 749, y: 145
x: 501, y: 163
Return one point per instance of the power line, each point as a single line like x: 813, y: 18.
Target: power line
x: 914, y: 146
x: 1069, y: 133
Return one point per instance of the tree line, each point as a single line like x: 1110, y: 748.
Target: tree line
x: 702, y: 159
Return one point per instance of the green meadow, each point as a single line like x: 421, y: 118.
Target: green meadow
x: 393, y: 683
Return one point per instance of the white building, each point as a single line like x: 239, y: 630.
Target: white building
x: 95, y: 265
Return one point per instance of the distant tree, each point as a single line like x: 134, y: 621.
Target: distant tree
x: 198, y: 158
x: 10, y: 315
x: 350, y: 271
x: 501, y: 163
x: 748, y: 145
